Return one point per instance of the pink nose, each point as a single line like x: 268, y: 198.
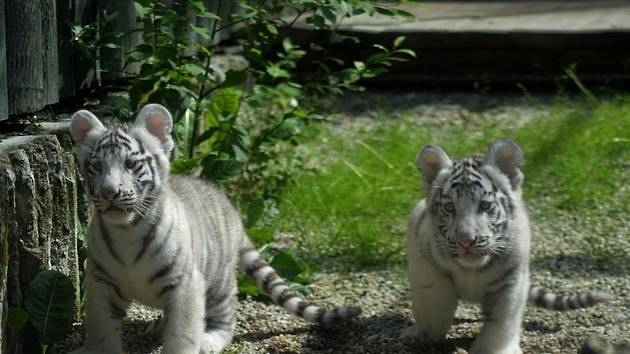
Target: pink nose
x: 465, y: 243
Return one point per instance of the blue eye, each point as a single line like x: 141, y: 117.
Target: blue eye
x: 449, y: 207
x: 129, y: 164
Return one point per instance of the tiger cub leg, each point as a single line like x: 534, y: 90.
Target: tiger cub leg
x: 105, y: 308
x: 433, y: 301
x: 503, y: 311
x: 185, y: 314
x: 220, y: 325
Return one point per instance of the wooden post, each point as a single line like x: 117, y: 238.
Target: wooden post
x: 50, y: 63
x: 31, y: 47
x: 4, y: 103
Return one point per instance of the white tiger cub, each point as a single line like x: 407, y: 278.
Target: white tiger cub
x: 469, y: 240
x: 171, y: 242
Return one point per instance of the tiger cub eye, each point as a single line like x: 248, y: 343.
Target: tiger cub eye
x: 484, y: 206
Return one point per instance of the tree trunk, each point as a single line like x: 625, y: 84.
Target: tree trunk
x: 4, y: 103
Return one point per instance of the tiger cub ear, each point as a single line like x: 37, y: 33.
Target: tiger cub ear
x: 84, y: 123
x: 157, y: 120
x: 507, y: 156
x: 430, y: 161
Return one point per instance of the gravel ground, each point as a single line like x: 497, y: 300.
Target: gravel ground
x: 384, y: 294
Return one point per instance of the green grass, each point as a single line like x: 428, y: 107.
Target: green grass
x: 355, y: 212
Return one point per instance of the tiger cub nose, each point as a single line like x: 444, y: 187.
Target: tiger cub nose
x: 109, y: 194
x: 466, y: 243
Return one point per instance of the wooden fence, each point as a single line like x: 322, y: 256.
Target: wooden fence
x: 39, y: 64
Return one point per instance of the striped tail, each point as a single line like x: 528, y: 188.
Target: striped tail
x: 542, y: 298
x: 258, y: 269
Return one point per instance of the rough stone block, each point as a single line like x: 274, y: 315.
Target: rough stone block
x: 38, y: 218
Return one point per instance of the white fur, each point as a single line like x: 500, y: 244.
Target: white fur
x: 439, y: 281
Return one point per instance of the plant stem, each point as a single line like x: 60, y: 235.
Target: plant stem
x: 202, y: 90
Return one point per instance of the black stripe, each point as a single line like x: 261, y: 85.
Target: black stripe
x: 558, y: 304
x: 491, y: 297
x: 108, y: 241
x: 98, y: 267
x: 168, y: 288
x: 255, y: 266
x: 539, y: 300
x: 246, y: 249
x: 268, y: 279
x: 319, y: 316
x: 136, y: 219
x: 123, y: 138
x: 163, y: 239
x: 116, y: 311
x: 165, y: 269
x: 148, y: 238
x: 285, y: 295
x: 301, y: 307
x: 112, y: 285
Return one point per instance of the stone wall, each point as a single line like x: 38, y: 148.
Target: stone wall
x: 38, y: 218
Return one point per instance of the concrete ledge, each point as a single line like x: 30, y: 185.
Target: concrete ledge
x: 494, y: 41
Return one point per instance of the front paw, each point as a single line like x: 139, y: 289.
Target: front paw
x: 410, y: 334
x: 415, y: 334
x: 511, y: 349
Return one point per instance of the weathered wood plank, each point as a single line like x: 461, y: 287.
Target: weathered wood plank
x: 50, y: 65
x: 4, y: 104
x: 24, y: 56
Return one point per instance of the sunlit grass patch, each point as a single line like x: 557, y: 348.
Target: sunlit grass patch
x: 355, y: 213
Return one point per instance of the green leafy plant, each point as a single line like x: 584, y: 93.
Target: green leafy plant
x: 48, y: 306
x: 239, y: 128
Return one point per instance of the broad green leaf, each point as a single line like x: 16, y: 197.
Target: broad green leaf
x: 200, y: 30
x: 409, y: 52
x: 260, y: 236
x: 17, y: 318
x: 50, y: 303
x: 287, y: 265
x: 225, y: 102
x: 183, y: 130
x: 182, y: 166
x: 141, y: 11
x: 385, y: 11
x: 255, y: 210
x: 234, y: 78
x: 398, y: 41
x: 246, y: 287
x: 276, y: 71
x: 404, y: 14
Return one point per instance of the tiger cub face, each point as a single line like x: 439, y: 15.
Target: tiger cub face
x: 124, y: 165
x: 471, y: 201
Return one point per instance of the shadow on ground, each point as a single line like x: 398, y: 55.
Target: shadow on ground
x: 376, y: 334
x: 579, y: 265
